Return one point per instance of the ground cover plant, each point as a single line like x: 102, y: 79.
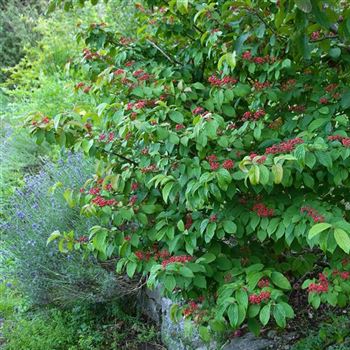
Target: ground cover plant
x: 221, y: 134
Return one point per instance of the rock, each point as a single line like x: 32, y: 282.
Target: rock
x: 182, y: 335
x: 150, y: 304
x: 249, y: 342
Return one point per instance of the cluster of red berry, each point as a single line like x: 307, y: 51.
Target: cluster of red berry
x: 179, y: 127
x: 134, y: 186
x: 331, y: 87
x: 133, y: 199
x: 189, y: 221
x: 253, y: 116
x: 82, y: 239
x: 215, y: 165
x: 176, y: 259
x: 103, y: 137
x: 216, y: 81
x: 259, y: 298
x: 94, y: 191
x: 315, y: 35
x: 163, y: 254
x: 284, y: 147
x: 102, y: 202
x: 149, y: 169
x: 312, y: 213
x: 140, y: 104
x: 343, y: 139
x: 261, y: 86
x: 141, y: 75
x: 262, y: 210
x: 89, y: 55
x: 289, y: 84
x: 119, y: 71
x: 297, y: 108
x: 259, y: 160
x: 264, y: 282
x: 81, y: 85
x: 198, y: 111
x: 192, y: 307
x: 125, y: 41
x: 321, y: 286
x: 345, y: 275
x: 247, y: 55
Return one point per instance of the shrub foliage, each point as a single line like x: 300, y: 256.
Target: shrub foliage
x: 221, y: 135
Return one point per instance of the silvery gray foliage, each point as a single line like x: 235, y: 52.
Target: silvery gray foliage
x: 35, y: 210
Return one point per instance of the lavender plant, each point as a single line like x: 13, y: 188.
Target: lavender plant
x: 32, y: 213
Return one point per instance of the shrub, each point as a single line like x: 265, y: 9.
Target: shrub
x: 37, y: 208
x: 82, y: 328
x: 17, y: 20
x: 19, y: 154
x: 221, y: 130
x: 332, y: 335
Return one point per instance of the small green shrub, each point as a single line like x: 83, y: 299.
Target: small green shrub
x: 81, y: 328
x: 332, y: 335
x: 17, y: 22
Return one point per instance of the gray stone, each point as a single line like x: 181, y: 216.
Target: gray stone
x: 249, y: 342
x: 184, y: 335
x: 178, y: 335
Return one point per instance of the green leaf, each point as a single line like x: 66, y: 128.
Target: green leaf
x: 318, y: 228
x: 280, y: 281
x: 277, y: 172
x: 204, y: 334
x: 131, y: 268
x: 288, y: 310
x: 99, y: 240
x: 186, y: 272
x: 241, y: 90
x: 335, y: 52
x: 242, y: 298
x: 287, y: 63
x: 279, y: 315
x: 345, y: 100
x: 229, y: 226
x: 200, y: 281
x: 170, y: 282
x: 231, y: 59
x: 304, y: 5
x: 232, y: 313
x: 264, y: 175
x: 166, y: 191
x: 206, y: 258
x: 176, y: 117
x: 264, y: 315
x: 210, y: 231
x: 54, y: 235
x: 180, y: 225
x: 342, y: 239
x: 325, y: 159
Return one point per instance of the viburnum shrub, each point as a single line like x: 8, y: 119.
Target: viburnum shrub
x: 221, y: 131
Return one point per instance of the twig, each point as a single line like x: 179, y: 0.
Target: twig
x: 255, y: 12
x: 163, y: 52
x: 325, y: 38
x: 125, y: 158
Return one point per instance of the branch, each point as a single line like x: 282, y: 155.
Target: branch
x: 256, y: 13
x: 125, y: 158
x: 172, y: 60
x: 326, y: 37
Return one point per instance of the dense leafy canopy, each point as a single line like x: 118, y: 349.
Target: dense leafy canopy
x: 221, y: 135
